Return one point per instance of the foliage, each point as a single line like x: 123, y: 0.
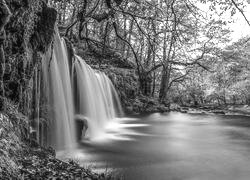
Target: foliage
x: 227, y: 83
x: 42, y: 164
x: 166, y: 40
x: 30, y: 18
x: 9, y: 148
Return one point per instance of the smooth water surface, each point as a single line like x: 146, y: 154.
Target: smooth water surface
x: 174, y: 146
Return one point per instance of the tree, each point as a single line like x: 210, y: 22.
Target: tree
x: 165, y: 39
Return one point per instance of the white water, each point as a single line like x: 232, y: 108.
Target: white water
x: 86, y: 93
x: 59, y: 90
x: 96, y: 97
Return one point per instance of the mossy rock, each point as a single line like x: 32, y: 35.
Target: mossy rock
x: 44, y: 30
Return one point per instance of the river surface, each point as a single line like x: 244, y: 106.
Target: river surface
x: 173, y: 146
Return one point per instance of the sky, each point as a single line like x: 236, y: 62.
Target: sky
x: 240, y: 26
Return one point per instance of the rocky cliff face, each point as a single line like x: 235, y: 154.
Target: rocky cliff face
x: 29, y: 33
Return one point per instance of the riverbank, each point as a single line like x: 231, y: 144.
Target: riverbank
x: 39, y: 163
x: 143, y: 104
x: 212, y: 109
x: 22, y: 158
x: 19, y: 160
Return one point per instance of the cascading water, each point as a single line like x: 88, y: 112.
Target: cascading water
x: 93, y: 96
x: 58, y: 86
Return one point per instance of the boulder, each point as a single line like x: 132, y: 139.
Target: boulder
x: 81, y: 126
x: 218, y: 112
x: 174, y: 107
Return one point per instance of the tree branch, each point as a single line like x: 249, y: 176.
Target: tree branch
x: 139, y: 66
x: 241, y: 11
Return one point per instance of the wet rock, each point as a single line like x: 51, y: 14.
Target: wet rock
x: 218, y: 112
x: 163, y: 108
x: 174, y: 107
x: 70, y: 51
x: 81, y: 126
x: 97, y: 56
x: 184, y: 110
x: 44, y: 30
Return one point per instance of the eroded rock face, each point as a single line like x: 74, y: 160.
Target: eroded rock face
x: 29, y: 32
x: 43, y: 32
x: 70, y: 52
x: 96, y: 56
x: 31, y: 25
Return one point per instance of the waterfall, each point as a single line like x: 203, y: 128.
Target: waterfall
x: 95, y: 97
x: 58, y: 86
x: 83, y: 92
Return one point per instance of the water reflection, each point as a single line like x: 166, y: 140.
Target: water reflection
x: 175, y: 146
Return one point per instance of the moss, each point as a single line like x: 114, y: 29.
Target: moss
x: 44, y: 29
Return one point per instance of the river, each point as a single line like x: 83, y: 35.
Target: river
x: 173, y: 146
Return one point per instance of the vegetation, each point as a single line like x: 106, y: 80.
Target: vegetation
x: 169, y: 42
x: 156, y: 52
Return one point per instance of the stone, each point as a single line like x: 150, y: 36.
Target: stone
x: 81, y: 126
x: 218, y: 112
x: 44, y: 31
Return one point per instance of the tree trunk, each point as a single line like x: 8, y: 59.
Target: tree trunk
x: 124, y: 36
x: 154, y: 77
x: 164, y: 73
x: 64, y: 10
x: 130, y: 36
x: 164, y: 84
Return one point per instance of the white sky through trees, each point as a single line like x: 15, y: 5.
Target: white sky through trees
x: 240, y: 26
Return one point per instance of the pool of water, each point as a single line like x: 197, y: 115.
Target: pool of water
x: 173, y: 146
